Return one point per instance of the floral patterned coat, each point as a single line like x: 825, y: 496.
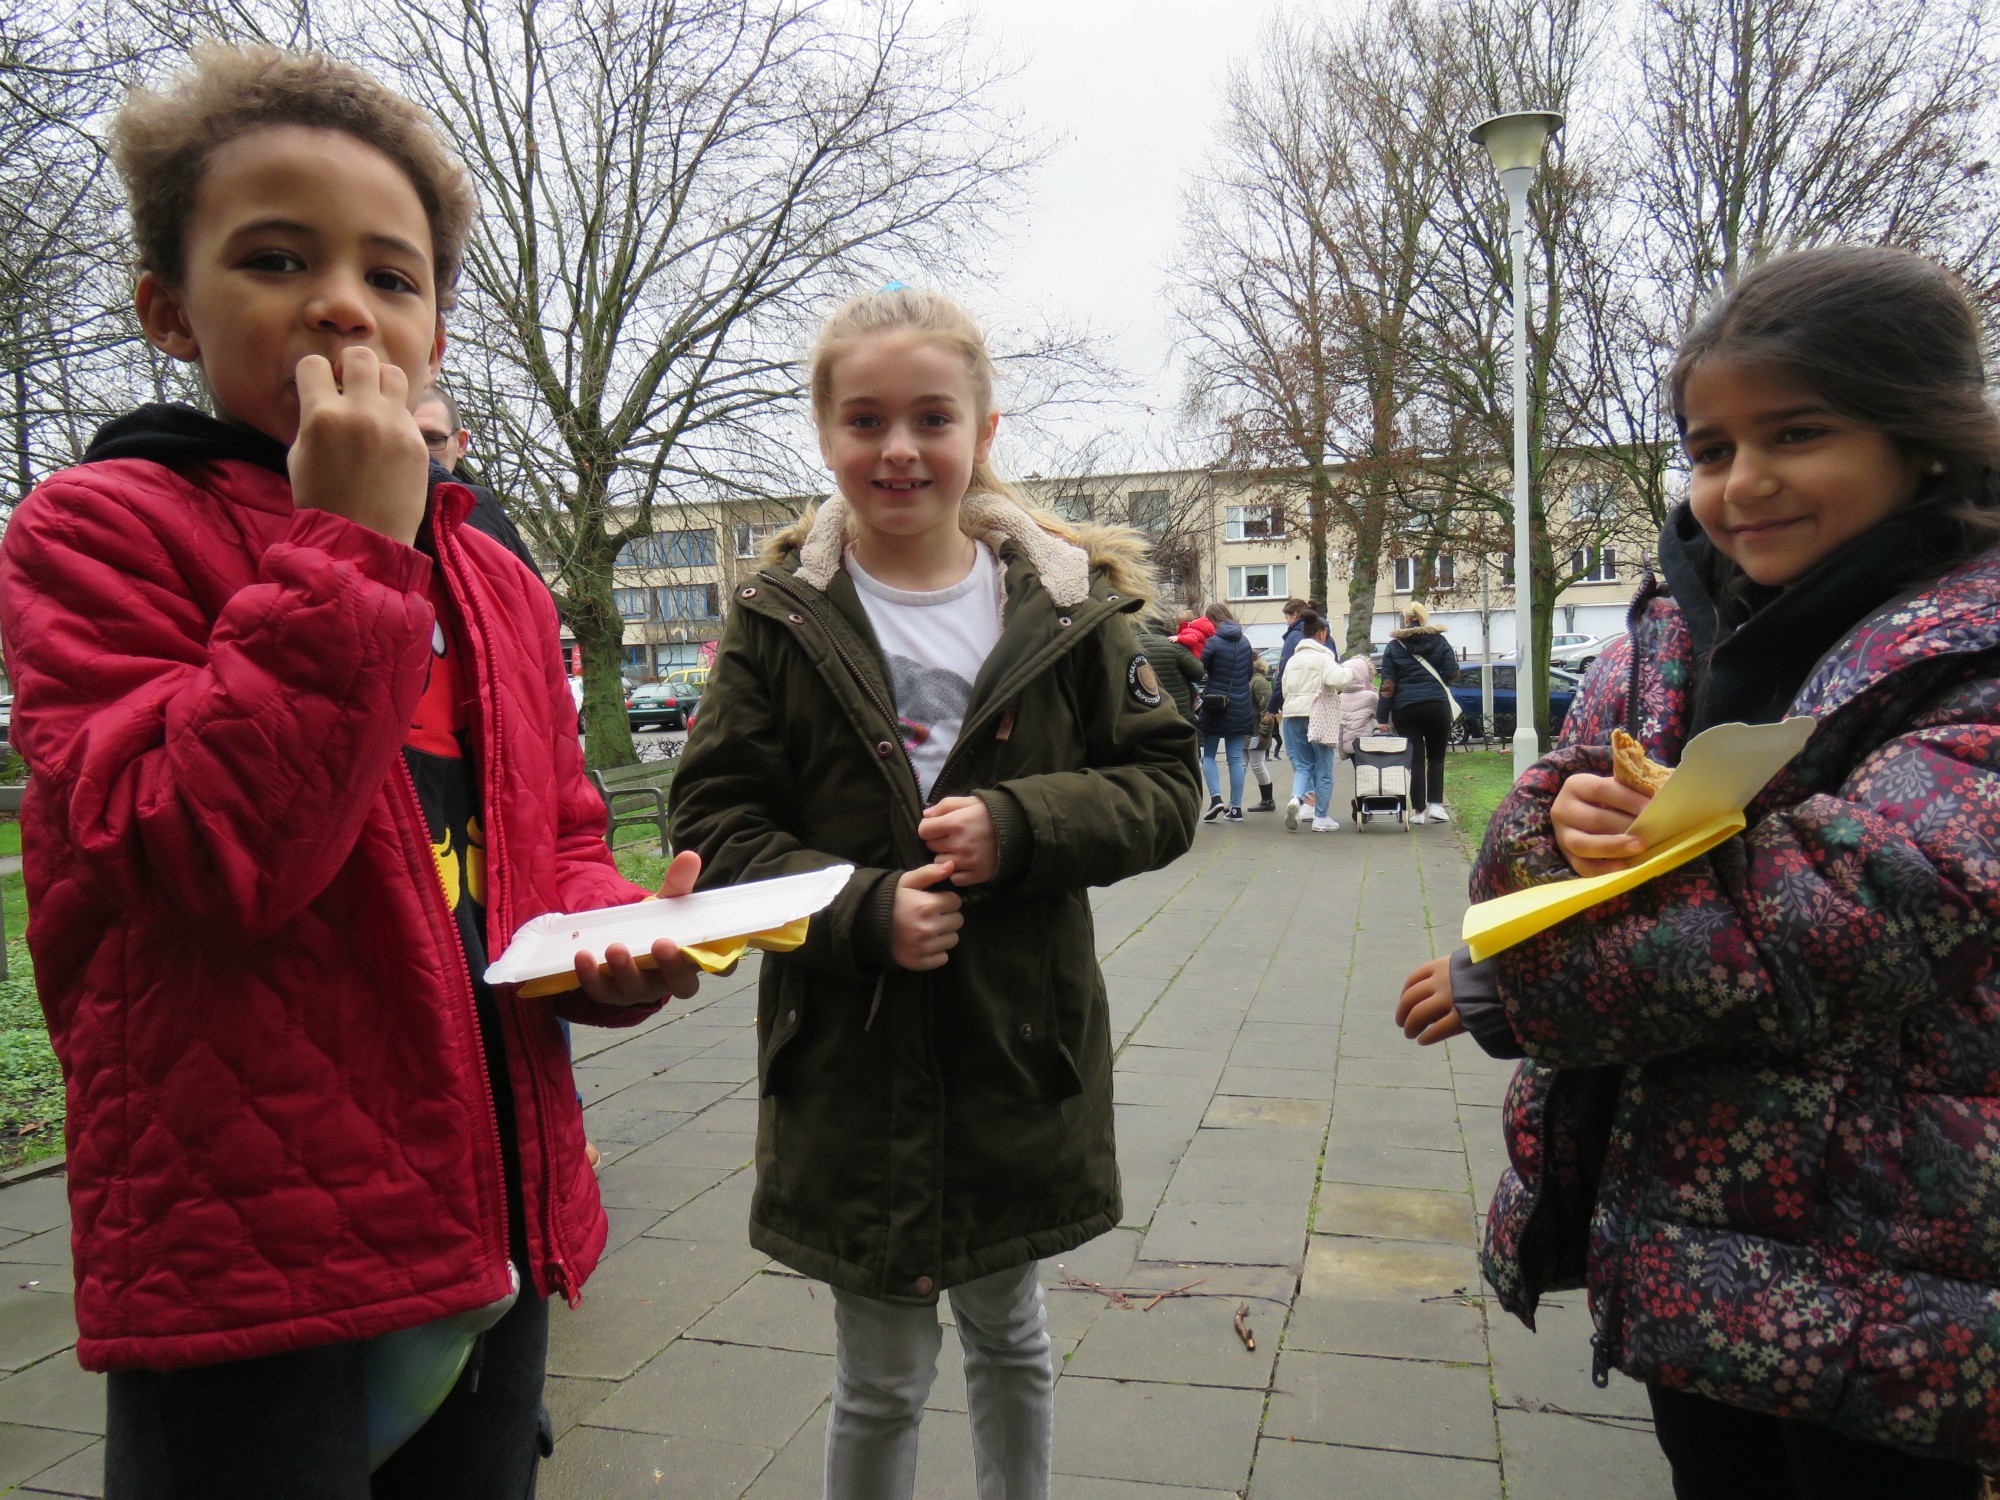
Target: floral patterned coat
x: 1790, y: 1047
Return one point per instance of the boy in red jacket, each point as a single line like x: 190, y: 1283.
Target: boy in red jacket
x: 304, y: 757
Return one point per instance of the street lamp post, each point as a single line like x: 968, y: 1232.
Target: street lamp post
x: 1515, y: 143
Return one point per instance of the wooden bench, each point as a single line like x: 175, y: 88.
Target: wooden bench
x: 635, y: 795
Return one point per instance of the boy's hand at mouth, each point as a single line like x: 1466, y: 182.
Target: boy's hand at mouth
x: 359, y: 452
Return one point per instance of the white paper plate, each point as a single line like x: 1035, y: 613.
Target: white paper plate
x: 549, y: 944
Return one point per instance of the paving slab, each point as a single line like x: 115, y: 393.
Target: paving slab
x: 33, y: 1326
x: 1394, y: 1213
x: 722, y: 1392
x: 1409, y: 1327
x: 1291, y: 1470
x: 28, y: 1451
x: 1551, y: 1457
x: 1409, y: 1405
x: 608, y: 1465
x: 80, y: 1477
x: 1550, y: 1367
x: 1184, y: 1340
x: 1159, y: 1434
x: 772, y: 1312
x: 1265, y: 1234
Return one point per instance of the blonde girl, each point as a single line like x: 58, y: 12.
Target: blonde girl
x: 940, y: 686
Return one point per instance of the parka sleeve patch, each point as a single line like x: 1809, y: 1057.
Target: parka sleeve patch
x: 1142, y: 682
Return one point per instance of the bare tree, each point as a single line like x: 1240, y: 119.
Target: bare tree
x: 674, y: 189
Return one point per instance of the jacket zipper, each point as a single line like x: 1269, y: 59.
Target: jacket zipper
x: 463, y: 983
x: 487, y: 728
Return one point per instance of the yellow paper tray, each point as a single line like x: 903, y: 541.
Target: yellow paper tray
x: 1492, y: 927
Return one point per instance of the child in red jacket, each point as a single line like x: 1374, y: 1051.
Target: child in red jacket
x: 303, y: 758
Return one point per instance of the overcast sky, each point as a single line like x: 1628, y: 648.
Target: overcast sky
x: 1132, y: 90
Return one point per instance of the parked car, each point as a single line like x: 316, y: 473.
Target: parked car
x: 6, y: 715
x: 1577, y: 658
x: 661, y: 705
x: 1466, y: 689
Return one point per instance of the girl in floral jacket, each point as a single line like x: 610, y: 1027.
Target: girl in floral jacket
x: 1768, y: 1082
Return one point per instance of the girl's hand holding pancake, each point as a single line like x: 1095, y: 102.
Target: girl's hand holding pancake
x: 1591, y: 816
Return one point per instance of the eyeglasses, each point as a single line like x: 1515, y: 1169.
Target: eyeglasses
x: 437, y: 440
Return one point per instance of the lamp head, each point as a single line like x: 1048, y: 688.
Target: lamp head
x: 1516, y: 140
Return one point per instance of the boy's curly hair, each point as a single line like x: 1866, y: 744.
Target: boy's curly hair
x: 162, y: 140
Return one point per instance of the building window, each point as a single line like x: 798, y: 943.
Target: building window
x: 1257, y: 581
x: 1251, y: 523
x: 682, y: 654
x: 630, y: 603
x: 686, y: 601
x: 1596, y: 565
x: 1073, y: 508
x: 751, y: 536
x: 635, y: 660
x: 669, y: 549
x: 1595, y: 501
x: 1147, y: 511
x: 1444, y: 573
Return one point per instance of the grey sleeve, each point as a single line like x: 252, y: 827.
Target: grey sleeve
x: 1475, y: 993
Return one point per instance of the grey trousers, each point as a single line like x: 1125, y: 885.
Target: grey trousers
x: 885, y: 1358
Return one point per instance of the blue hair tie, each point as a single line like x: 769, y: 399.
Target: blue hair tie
x: 893, y: 286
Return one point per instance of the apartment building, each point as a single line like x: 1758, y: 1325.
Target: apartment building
x: 1217, y: 535
x: 672, y: 584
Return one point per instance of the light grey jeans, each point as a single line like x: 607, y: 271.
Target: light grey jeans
x: 885, y: 1358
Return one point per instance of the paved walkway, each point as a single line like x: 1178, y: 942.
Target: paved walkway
x: 1285, y: 1152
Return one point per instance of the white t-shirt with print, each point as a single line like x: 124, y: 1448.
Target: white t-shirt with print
x: 935, y: 643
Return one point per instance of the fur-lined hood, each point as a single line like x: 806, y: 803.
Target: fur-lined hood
x: 1413, y: 632
x: 1063, y: 554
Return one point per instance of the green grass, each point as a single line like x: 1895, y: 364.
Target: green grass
x: 31, y: 1090
x: 1474, y: 783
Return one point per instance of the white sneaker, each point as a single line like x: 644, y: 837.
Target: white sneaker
x: 1292, y: 816
x: 1416, y: 817
x: 1436, y: 813
x: 1326, y: 825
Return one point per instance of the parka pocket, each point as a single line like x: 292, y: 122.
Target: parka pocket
x: 778, y: 1024
x: 1055, y: 1063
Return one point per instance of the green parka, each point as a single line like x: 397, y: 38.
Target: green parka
x: 918, y: 1130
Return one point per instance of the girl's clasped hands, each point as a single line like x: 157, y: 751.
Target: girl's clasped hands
x: 924, y: 927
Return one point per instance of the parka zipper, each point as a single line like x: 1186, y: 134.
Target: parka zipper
x: 853, y: 670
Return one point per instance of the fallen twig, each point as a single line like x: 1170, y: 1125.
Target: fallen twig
x: 1110, y: 1294
x: 1176, y: 1292
x: 1243, y: 1328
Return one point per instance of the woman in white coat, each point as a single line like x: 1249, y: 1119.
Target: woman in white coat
x: 1313, y: 670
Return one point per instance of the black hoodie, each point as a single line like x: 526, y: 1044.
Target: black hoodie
x: 174, y: 435
x: 1753, y: 646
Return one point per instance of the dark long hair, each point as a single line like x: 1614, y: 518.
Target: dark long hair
x: 1886, y: 338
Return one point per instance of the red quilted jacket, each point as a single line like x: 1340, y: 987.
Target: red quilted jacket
x: 281, y: 1131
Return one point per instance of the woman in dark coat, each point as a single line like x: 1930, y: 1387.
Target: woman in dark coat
x: 1228, y: 715
x: 1419, y: 704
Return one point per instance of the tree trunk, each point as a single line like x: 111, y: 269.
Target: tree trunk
x: 593, y: 618
x: 1371, y: 520
x: 1318, y: 494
